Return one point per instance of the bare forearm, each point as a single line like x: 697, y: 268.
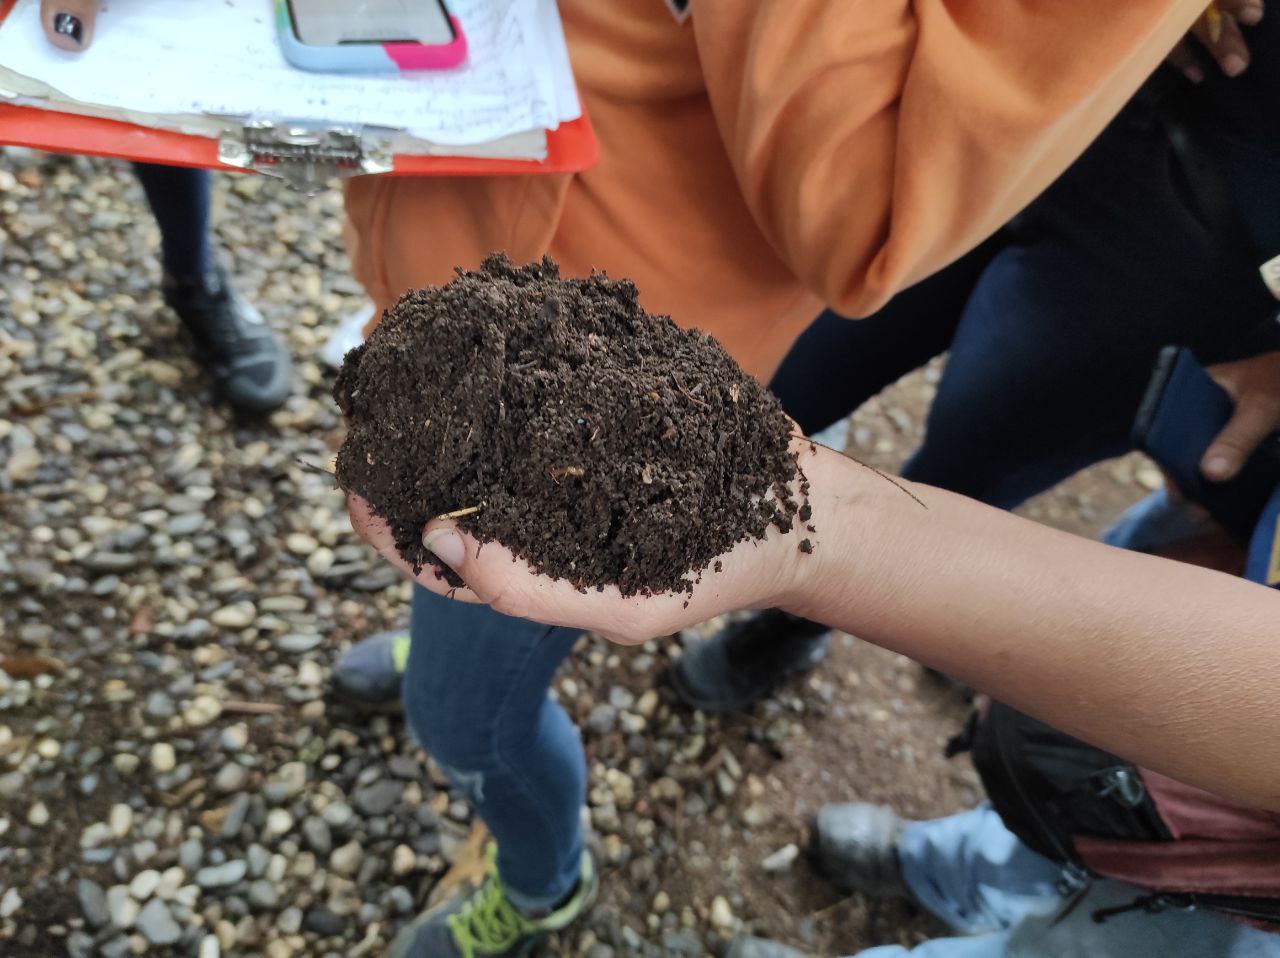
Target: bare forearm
x: 1171, y: 666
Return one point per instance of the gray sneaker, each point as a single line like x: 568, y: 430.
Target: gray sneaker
x: 369, y: 674
x: 747, y: 660
x: 855, y: 847
x: 745, y: 946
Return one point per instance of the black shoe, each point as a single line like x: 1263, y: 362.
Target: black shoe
x: 855, y: 847
x: 249, y: 366
x: 745, y: 662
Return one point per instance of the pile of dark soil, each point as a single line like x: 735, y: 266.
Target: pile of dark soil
x: 602, y: 444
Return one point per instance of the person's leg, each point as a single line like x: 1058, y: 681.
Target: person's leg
x: 1057, y: 343
x: 837, y: 364
x: 249, y: 365
x: 475, y: 696
x: 179, y: 200
x: 974, y: 874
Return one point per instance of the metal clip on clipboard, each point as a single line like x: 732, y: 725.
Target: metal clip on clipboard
x: 306, y: 155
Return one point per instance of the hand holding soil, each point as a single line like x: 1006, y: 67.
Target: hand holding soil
x: 608, y: 449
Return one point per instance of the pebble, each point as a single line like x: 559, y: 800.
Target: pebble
x: 403, y: 861
x: 286, y: 783
x: 209, y: 947
x: 323, y: 922
x: 234, y: 738
x: 144, y: 884
x: 38, y: 815
x: 202, y: 710
x: 378, y: 798
x: 721, y: 914
x: 155, y: 921
x: 237, y: 615
x: 279, y: 822
x: 781, y: 860
x: 315, y: 832
x: 300, y: 544
x: 93, y: 903
x: 120, y: 820
x: 263, y: 895
x: 121, y: 906
x: 10, y: 902
x: 346, y: 859
x: 232, y: 777
x: 298, y: 642
x: 162, y: 757
x: 219, y: 876
x: 126, y: 763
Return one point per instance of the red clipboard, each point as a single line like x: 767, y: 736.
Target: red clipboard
x: 570, y: 148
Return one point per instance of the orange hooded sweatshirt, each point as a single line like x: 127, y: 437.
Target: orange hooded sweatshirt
x: 771, y: 157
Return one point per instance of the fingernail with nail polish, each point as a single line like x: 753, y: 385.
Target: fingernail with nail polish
x: 69, y: 26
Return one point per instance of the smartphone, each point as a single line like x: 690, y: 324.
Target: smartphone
x: 1181, y: 413
x: 369, y: 36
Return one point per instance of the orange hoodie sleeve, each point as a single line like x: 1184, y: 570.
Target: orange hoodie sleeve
x: 877, y: 140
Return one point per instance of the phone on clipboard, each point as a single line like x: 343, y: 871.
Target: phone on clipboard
x: 369, y: 36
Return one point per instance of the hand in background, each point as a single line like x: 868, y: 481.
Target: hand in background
x: 1218, y: 31
x: 1254, y: 384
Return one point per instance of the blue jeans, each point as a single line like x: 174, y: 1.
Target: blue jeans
x: 980, y: 880
x: 1053, y: 328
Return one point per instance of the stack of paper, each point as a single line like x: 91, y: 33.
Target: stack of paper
x: 188, y: 64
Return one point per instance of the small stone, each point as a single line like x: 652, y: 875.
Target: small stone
x: 237, y: 615
x: 346, y: 859
x: 122, y: 908
x: 403, y: 861
x: 279, y: 822
x: 99, y: 833
x: 12, y: 784
x: 159, y: 706
x: 38, y: 815
x: 298, y: 642
x: 321, y: 921
x: 234, y: 738
x: 722, y: 914
x: 48, y: 749
x: 286, y: 783
x: 219, y: 876
x: 202, y: 710
x: 10, y: 902
x: 263, y: 894
x: 378, y: 798
x: 232, y: 777
x: 315, y: 832
x: 144, y: 884
x: 320, y: 561
x: 190, y: 854
x: 780, y: 860
x: 120, y: 820
x: 661, y: 903
x: 157, y: 924
x: 602, y: 720
x: 162, y: 757
x: 126, y: 763
x: 209, y: 947
x: 756, y: 815
x: 300, y: 544
x: 93, y: 903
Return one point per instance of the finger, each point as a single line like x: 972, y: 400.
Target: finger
x: 1184, y: 60
x: 69, y: 23
x: 1225, y: 43
x: 1248, y: 12
x: 374, y: 530
x: 1251, y: 423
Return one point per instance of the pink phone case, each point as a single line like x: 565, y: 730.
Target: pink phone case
x: 368, y: 57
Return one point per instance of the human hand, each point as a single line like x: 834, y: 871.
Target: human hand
x: 69, y: 23
x: 1218, y: 31
x: 1254, y: 385
x: 752, y: 574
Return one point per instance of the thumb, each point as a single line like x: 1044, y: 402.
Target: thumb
x: 69, y: 23
x: 1251, y: 423
x: 443, y: 540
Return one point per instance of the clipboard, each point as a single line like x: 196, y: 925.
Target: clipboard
x: 305, y: 155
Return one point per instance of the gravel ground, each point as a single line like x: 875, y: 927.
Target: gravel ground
x: 174, y: 585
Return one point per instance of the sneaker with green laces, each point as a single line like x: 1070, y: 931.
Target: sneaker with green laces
x: 483, y: 923
x: 370, y: 672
